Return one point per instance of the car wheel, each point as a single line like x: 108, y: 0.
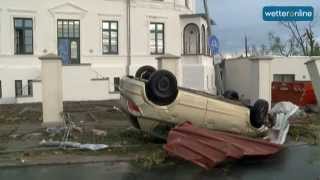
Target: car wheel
x: 145, y: 72
x: 232, y: 95
x: 259, y: 113
x: 162, y: 88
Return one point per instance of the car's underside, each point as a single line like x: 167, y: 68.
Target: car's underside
x: 152, y: 99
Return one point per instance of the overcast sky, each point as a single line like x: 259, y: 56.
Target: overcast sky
x: 237, y: 18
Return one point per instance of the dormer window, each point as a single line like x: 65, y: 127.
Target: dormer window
x: 191, y: 40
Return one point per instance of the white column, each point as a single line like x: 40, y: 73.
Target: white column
x: 51, y: 78
x: 261, y: 81
x: 313, y: 67
x: 171, y: 63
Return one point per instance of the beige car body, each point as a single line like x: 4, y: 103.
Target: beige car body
x: 201, y: 109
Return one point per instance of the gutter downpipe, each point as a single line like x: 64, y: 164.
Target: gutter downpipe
x: 128, y: 37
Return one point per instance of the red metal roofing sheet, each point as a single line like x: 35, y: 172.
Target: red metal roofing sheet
x: 209, y: 148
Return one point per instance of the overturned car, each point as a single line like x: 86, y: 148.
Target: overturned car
x: 152, y: 99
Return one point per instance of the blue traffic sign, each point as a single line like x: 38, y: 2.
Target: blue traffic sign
x: 214, y: 45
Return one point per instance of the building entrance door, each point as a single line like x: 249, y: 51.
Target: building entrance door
x: 69, y: 41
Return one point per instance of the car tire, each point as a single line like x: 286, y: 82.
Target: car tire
x: 259, y: 113
x: 162, y: 88
x: 231, y: 94
x: 145, y: 72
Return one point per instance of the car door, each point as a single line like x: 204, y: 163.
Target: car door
x: 189, y: 107
x: 227, y: 116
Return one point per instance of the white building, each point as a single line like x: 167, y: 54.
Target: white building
x: 99, y: 42
x: 252, y: 77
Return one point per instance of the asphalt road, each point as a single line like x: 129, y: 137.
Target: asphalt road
x: 294, y: 163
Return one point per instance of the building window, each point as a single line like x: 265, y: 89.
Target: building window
x: 116, y: 82
x: 110, y: 37
x: 68, y: 32
x: 204, y: 40
x: 30, y: 88
x: 284, y: 77
x: 191, y: 39
x: 18, y: 88
x: 23, y: 36
x: 157, y: 38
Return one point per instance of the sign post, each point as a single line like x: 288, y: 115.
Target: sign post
x: 214, y: 44
x: 218, y: 83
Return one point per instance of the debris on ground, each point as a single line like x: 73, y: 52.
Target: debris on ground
x: 99, y: 133
x: 282, y: 112
x: 13, y: 136
x: 55, y: 130
x: 76, y: 145
x: 284, y: 107
x: 78, y: 129
x: 34, y: 135
x: 153, y: 159
x: 23, y: 134
x: 207, y: 148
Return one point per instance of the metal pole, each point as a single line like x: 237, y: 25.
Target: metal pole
x: 246, y: 45
x: 128, y: 37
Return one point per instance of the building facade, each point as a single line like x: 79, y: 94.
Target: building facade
x: 99, y: 41
x: 252, y: 77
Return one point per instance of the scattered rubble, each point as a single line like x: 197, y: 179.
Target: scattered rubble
x: 33, y: 135
x: 13, y: 136
x: 100, y: 133
x: 78, y: 129
x: 55, y: 130
x: 153, y: 159
x: 70, y: 144
x: 282, y: 112
x: 111, y: 132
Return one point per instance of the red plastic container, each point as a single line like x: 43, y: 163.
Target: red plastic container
x: 300, y: 92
